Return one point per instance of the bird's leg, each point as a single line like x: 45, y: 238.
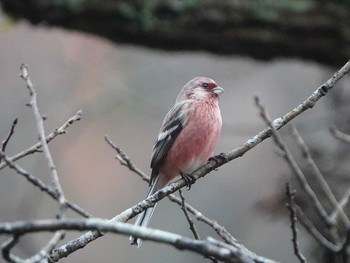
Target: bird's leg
x: 189, y: 179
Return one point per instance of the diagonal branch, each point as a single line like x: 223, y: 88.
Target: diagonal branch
x: 41, y: 185
x: 311, y: 229
x: 35, y: 148
x: 340, y: 135
x: 188, y: 217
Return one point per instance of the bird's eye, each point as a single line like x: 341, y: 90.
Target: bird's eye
x: 205, y: 85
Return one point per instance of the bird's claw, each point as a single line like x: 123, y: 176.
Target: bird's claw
x: 220, y: 157
x: 189, y: 179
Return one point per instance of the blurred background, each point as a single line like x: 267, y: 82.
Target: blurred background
x: 124, y: 90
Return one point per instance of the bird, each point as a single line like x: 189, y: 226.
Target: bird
x: 186, y: 140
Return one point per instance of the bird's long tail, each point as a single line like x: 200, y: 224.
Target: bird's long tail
x: 144, y: 218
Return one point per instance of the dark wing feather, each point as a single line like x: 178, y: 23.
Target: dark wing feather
x: 173, y: 123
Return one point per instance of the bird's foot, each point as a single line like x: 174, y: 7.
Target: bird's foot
x: 189, y: 179
x: 220, y: 157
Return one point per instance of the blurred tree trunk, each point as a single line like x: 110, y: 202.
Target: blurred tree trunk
x: 264, y: 29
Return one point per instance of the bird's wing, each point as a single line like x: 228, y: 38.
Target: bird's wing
x: 173, y: 123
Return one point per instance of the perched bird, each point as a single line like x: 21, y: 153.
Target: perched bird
x: 186, y: 140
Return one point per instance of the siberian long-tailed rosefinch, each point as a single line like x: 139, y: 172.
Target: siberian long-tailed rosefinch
x: 187, y: 138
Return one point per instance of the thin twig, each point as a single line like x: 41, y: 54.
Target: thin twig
x: 7, y: 139
x: 340, y: 135
x: 293, y: 220
x: 40, y: 126
x: 41, y: 185
x: 318, y: 175
x: 311, y: 229
x: 219, y: 229
x: 126, y: 161
x: 192, y: 225
x: 188, y: 217
x: 35, y: 148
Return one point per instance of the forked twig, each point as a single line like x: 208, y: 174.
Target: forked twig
x: 35, y: 148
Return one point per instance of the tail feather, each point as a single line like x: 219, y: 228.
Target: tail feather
x: 144, y: 218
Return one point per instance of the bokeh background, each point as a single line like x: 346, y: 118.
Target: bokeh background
x: 124, y: 92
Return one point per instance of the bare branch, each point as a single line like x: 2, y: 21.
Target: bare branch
x: 188, y: 217
x: 126, y: 161
x: 40, y: 126
x: 41, y: 185
x: 35, y: 148
x: 282, y: 121
x: 311, y: 229
x: 7, y: 139
x: 293, y: 220
x: 203, y: 247
x: 340, y: 135
x: 319, y: 177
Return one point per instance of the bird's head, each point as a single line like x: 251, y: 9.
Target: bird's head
x: 200, y: 88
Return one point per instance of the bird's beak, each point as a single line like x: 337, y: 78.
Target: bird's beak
x: 218, y: 90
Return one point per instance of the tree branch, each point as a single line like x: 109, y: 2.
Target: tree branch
x: 203, y: 247
x: 42, y: 137
x: 35, y: 148
x: 41, y: 185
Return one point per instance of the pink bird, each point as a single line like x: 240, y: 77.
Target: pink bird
x: 187, y: 138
